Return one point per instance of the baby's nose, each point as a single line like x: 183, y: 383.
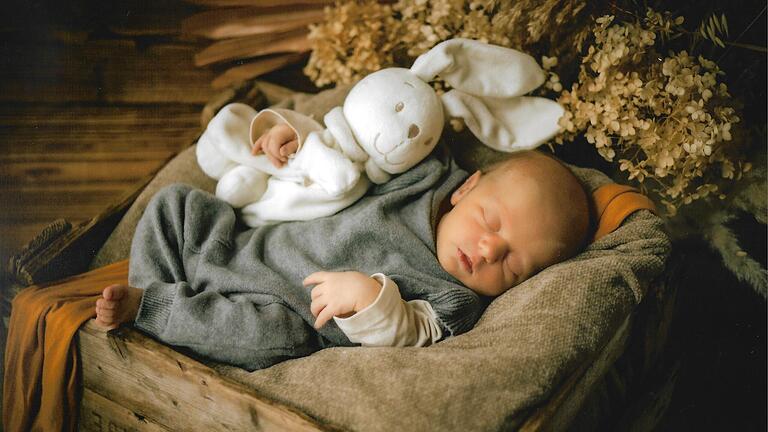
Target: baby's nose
x: 492, y: 247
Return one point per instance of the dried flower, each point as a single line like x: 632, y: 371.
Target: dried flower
x: 668, y: 119
x: 361, y: 37
x: 357, y: 38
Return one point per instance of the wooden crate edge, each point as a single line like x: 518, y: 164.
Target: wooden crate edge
x: 126, y: 346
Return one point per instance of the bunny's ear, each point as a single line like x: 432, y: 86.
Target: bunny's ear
x: 480, y: 69
x: 507, y: 125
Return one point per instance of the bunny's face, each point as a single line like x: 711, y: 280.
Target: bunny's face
x: 395, y: 117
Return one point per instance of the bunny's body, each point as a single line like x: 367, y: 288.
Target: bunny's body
x: 390, y: 121
x: 318, y: 181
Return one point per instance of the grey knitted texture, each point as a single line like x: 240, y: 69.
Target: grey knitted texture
x: 227, y: 293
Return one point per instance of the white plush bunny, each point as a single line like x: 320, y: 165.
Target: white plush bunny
x: 390, y: 121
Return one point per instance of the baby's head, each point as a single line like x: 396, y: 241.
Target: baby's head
x: 513, y: 220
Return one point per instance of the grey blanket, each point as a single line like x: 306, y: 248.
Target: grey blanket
x: 525, y: 344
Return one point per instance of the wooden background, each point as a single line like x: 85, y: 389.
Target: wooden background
x: 93, y: 97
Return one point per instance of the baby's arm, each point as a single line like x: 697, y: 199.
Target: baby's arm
x: 384, y: 320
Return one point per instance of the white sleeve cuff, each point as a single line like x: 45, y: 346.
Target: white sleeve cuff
x: 390, y: 321
x: 376, y: 312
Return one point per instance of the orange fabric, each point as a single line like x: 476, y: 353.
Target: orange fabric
x: 40, y: 388
x: 613, y: 203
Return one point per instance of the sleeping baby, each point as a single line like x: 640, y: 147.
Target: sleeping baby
x: 414, y: 261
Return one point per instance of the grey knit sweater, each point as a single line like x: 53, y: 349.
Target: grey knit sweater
x: 235, y: 295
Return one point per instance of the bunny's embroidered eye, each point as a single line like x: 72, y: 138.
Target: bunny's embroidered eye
x: 427, y: 142
x: 399, y: 107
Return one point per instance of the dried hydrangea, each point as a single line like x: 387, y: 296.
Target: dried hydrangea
x: 357, y: 38
x: 668, y: 119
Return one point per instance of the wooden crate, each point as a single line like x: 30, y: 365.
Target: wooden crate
x: 132, y: 382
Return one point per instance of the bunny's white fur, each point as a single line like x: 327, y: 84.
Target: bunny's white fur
x: 390, y: 121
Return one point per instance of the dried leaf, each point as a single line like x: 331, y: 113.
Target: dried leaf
x: 715, y: 22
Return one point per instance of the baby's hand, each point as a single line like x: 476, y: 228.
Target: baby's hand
x: 277, y: 144
x: 340, y: 294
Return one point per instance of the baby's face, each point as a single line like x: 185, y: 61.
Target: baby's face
x: 498, y: 233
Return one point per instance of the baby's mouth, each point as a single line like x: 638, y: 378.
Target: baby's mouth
x: 466, y: 263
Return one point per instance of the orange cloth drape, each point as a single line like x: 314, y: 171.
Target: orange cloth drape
x: 40, y: 388
x: 612, y: 203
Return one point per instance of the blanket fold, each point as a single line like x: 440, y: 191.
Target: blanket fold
x: 41, y: 381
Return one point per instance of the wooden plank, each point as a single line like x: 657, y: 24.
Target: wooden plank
x: 174, y: 390
x: 61, y: 129
x: 124, y: 17
x: 118, y: 186
x: 42, y: 16
x: 142, y: 18
x: 49, y: 204
x: 71, y: 251
x: 87, y: 168
x: 101, y: 70
x: 99, y: 414
x: 68, y: 162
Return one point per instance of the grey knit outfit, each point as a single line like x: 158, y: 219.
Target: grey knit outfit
x: 235, y: 295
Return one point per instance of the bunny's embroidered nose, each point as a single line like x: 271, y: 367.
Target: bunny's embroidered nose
x: 413, y: 131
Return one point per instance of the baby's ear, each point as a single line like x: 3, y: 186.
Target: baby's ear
x: 467, y: 186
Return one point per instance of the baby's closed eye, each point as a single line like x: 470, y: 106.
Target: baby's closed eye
x: 491, y: 220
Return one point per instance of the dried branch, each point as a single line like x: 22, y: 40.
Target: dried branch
x: 254, y: 46
x: 236, y: 22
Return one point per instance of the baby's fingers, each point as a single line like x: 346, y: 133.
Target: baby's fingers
x: 317, y: 306
x: 314, y: 279
x: 277, y: 163
x: 272, y: 147
x: 323, y: 317
x: 257, y: 146
x: 289, y: 148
